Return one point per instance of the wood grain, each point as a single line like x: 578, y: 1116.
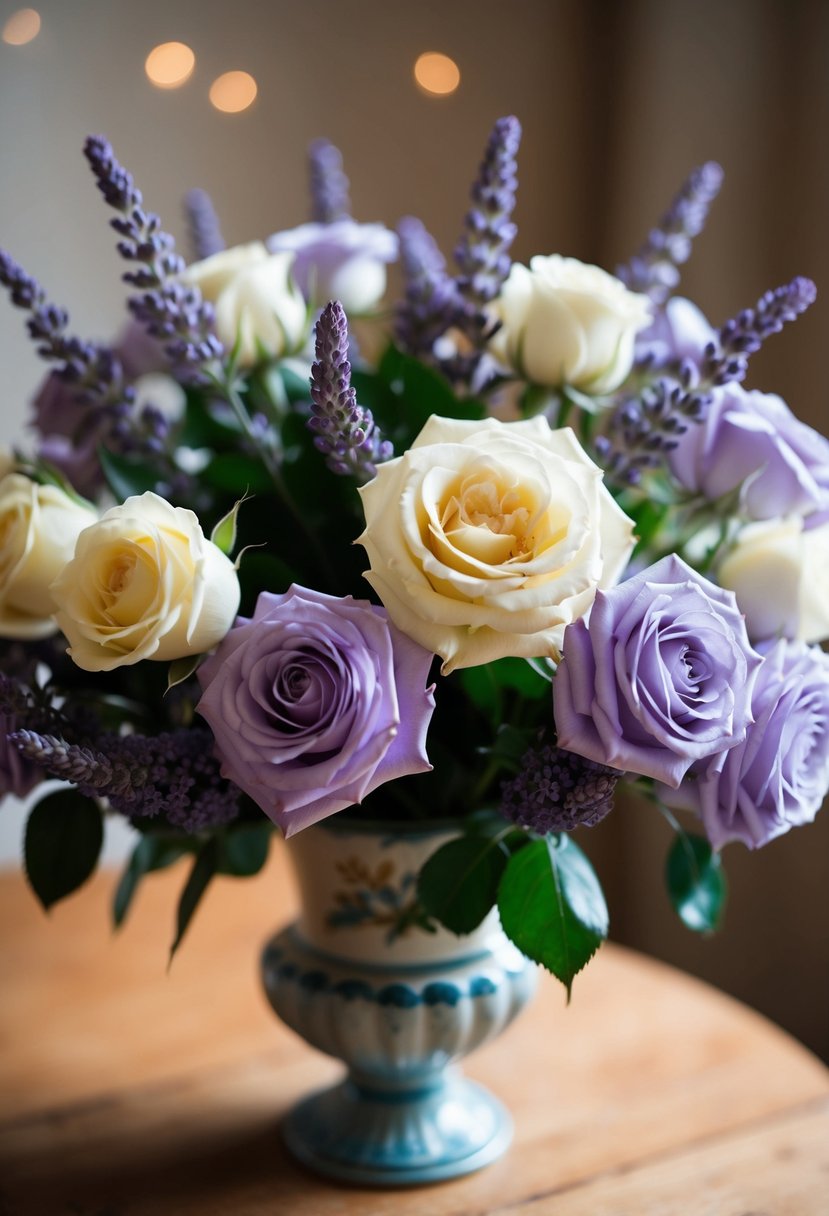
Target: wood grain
x: 128, y: 1091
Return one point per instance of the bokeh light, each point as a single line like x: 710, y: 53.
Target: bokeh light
x: 233, y: 91
x: 22, y: 27
x: 437, y: 74
x: 170, y: 65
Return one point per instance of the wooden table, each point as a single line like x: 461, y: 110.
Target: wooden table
x: 127, y: 1091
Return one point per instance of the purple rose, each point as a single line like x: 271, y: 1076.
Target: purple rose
x: 314, y: 703
x: 678, y: 331
x: 778, y: 776
x: 660, y: 678
x: 753, y: 439
x: 342, y: 261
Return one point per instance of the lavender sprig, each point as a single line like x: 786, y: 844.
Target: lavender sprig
x: 557, y: 791
x: 328, y: 182
x: 205, y: 229
x: 173, y: 774
x: 482, y: 253
x: 654, y: 269
x: 343, y: 430
x: 93, y: 371
x: 644, y: 427
x: 430, y: 302
x: 169, y: 310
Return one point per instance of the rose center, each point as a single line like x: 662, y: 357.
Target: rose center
x: 481, y: 502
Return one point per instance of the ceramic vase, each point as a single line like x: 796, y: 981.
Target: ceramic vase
x: 360, y: 977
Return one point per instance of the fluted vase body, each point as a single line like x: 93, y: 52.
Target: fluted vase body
x: 360, y: 977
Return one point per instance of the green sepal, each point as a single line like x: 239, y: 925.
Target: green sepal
x: 223, y: 535
x: 153, y: 852
x: 181, y: 669
x: 552, y: 906
x: 458, y: 885
x: 64, y: 834
x: 696, y: 882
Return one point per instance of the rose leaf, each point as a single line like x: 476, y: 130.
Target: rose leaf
x: 458, y: 885
x: 204, y: 868
x: 153, y: 852
x: 552, y: 906
x: 64, y: 833
x: 696, y: 882
x: 243, y: 851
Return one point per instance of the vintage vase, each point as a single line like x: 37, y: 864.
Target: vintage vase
x: 359, y: 977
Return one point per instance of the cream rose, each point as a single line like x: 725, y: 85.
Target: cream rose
x: 38, y: 529
x: 144, y: 583
x: 255, y: 300
x: 487, y: 538
x: 564, y: 322
x: 779, y: 572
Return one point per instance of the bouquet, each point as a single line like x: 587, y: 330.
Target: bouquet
x: 281, y: 552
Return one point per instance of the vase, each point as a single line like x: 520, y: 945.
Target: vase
x: 361, y: 977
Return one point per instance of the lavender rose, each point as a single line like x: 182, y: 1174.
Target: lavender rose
x: 678, y: 331
x: 343, y: 261
x: 778, y: 776
x: 661, y: 677
x: 314, y: 703
x: 753, y: 439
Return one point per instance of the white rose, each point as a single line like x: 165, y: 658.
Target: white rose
x: 255, y: 299
x: 144, y: 583
x: 564, y: 322
x: 487, y: 538
x: 38, y: 529
x: 779, y: 572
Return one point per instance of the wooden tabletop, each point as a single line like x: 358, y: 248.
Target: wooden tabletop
x: 128, y: 1091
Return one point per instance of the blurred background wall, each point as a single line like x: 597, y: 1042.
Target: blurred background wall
x: 618, y: 100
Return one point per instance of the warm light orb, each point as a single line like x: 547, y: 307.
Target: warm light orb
x: 170, y: 65
x: 437, y: 74
x: 21, y: 27
x: 233, y: 91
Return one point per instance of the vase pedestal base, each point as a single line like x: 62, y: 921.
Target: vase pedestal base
x: 399, y: 1137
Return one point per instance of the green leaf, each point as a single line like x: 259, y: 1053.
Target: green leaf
x: 127, y: 477
x: 151, y: 853
x: 235, y: 472
x: 484, y: 684
x: 511, y: 744
x: 243, y: 851
x: 696, y: 882
x: 458, y: 885
x: 204, y: 868
x: 64, y: 834
x: 552, y: 906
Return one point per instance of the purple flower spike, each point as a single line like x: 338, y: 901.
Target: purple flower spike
x: 329, y: 184
x: 483, y: 251
x: 431, y: 302
x: 654, y: 269
x: 343, y: 430
x: 169, y: 311
x: 205, y: 230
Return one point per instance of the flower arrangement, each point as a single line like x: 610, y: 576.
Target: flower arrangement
x: 545, y: 545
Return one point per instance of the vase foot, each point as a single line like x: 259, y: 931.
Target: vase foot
x: 398, y: 1138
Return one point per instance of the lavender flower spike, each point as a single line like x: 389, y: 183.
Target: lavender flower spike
x: 329, y: 184
x: 205, y: 230
x: 653, y: 270
x: 482, y: 252
x: 169, y: 310
x: 557, y: 791
x: 343, y: 430
x: 430, y: 303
